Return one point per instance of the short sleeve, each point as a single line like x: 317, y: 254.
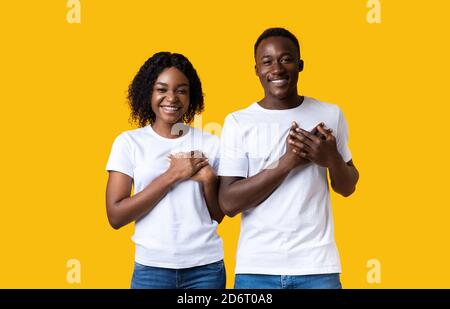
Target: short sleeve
x: 342, y: 138
x: 214, y: 153
x: 120, y: 158
x: 233, y: 157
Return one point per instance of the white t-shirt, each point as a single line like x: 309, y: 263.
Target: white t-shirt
x: 178, y: 232
x: 291, y: 232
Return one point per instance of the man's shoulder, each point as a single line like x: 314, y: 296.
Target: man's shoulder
x: 239, y: 114
x: 314, y: 103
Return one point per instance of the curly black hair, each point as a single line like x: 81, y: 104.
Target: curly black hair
x: 140, y: 89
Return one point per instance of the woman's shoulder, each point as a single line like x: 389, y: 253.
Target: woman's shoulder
x: 205, y: 136
x: 132, y: 136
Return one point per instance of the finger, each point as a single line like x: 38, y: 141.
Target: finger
x: 200, y: 165
x: 326, y: 128
x: 322, y: 130
x: 294, y: 125
x: 299, y: 138
x: 298, y: 144
x: 196, y: 154
x: 313, y: 131
x: 323, y: 133
x: 301, y: 154
x: 312, y: 137
x: 303, y: 139
x: 199, y: 160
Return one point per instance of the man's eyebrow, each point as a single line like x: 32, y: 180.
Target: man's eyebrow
x: 265, y: 56
x: 282, y: 55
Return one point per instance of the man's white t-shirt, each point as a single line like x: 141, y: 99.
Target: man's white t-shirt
x: 178, y: 232
x: 291, y: 232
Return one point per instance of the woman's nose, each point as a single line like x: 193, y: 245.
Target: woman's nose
x: 171, y: 97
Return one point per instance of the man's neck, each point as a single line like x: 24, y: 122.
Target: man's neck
x: 286, y: 103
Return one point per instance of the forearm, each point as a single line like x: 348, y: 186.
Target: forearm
x: 343, y: 176
x: 250, y: 192
x: 211, y: 193
x: 134, y: 207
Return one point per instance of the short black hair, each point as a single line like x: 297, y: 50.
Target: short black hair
x: 277, y: 32
x: 141, y: 88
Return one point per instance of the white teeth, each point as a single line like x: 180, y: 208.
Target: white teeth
x: 279, y: 82
x: 170, y: 109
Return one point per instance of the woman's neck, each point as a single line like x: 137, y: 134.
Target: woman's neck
x: 169, y: 130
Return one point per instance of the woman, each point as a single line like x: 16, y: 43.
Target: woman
x: 173, y: 169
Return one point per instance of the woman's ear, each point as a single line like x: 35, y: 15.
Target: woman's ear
x: 300, y: 65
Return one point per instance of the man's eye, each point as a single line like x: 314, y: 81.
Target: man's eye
x: 286, y: 60
x: 266, y: 62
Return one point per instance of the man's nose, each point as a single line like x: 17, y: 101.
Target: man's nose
x: 278, y: 68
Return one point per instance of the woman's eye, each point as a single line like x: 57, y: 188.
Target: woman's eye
x: 182, y: 91
x: 160, y: 90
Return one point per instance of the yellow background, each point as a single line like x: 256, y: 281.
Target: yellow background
x: 63, y: 90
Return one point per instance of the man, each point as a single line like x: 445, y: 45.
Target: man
x: 274, y: 162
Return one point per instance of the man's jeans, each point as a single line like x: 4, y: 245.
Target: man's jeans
x: 251, y: 281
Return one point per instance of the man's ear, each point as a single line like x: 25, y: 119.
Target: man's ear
x: 256, y: 70
x: 300, y: 65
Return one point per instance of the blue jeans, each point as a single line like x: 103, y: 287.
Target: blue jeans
x: 251, y: 281
x: 210, y: 276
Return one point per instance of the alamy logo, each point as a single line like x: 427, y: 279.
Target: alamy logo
x: 74, y: 272
x: 374, y: 273
x: 374, y: 13
x: 74, y: 13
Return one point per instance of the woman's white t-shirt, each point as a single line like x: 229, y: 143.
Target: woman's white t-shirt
x: 291, y: 232
x: 178, y: 232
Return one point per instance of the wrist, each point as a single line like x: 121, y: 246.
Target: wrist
x: 172, y: 177
x: 283, y: 164
x: 211, y: 180
x: 335, y: 161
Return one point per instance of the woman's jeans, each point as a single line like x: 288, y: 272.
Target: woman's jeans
x: 210, y: 276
